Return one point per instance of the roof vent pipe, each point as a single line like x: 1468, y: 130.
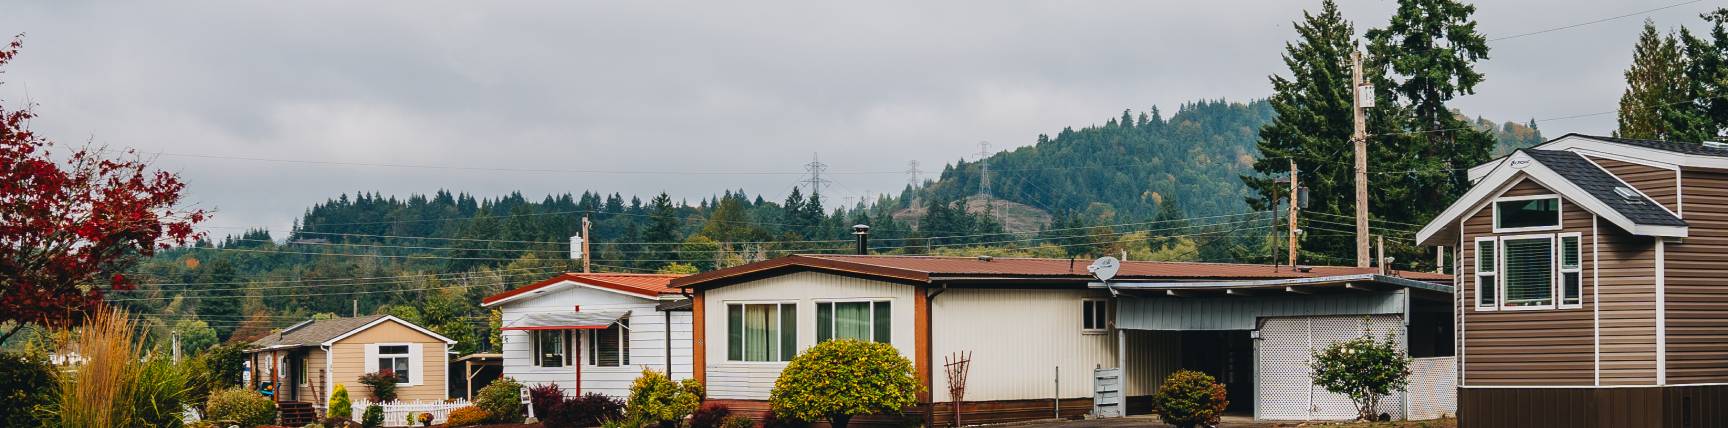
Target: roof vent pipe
x: 862, y: 231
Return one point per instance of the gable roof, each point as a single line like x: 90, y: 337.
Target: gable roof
x: 1656, y: 153
x: 930, y: 269
x: 1697, y: 149
x: 644, y: 285
x: 1572, y: 176
x: 315, y: 333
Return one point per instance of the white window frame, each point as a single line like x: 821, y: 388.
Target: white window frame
x: 407, y: 354
x: 1489, y: 279
x: 1104, y: 315
x: 1559, y: 213
x: 564, y: 336
x: 776, y: 323
x: 1553, y: 266
x: 817, y: 316
x: 1560, y: 269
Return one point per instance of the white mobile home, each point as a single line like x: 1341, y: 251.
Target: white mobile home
x: 594, y: 332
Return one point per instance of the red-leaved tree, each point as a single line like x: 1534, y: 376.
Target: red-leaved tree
x: 70, y: 228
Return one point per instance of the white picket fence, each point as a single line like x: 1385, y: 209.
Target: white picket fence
x: 396, y: 412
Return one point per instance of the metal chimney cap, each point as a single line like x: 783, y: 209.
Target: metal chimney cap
x: 861, y: 228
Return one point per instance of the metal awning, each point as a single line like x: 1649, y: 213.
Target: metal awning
x: 565, y: 321
x: 1295, y: 285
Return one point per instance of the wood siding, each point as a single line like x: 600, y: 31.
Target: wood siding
x: 753, y: 380
x: 1696, y: 285
x: 1654, y: 407
x: 350, y: 362
x: 1018, y: 340
x: 648, y: 344
x: 1658, y: 183
x: 1534, y: 347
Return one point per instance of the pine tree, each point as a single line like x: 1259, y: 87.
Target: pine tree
x: 792, y: 213
x: 1654, y: 103
x: 662, y: 228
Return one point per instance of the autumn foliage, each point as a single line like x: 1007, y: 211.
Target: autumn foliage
x: 71, y: 224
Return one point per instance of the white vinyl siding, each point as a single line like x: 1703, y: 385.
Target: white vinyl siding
x: 747, y: 380
x: 647, y: 338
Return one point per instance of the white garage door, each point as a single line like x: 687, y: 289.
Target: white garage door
x: 1284, y: 391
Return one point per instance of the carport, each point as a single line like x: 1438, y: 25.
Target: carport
x: 1256, y: 336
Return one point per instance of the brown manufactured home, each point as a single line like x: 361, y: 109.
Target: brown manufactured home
x: 1592, y: 285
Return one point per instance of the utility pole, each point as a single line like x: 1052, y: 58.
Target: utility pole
x: 1359, y: 139
x: 356, y: 307
x: 1380, y: 243
x: 586, y: 239
x: 1293, y: 210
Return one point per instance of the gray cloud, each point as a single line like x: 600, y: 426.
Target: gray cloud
x: 687, y: 86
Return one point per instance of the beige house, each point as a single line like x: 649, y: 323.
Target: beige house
x: 306, y: 361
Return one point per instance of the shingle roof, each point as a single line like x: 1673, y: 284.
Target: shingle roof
x: 1600, y: 184
x: 1671, y: 146
x: 312, y: 334
x: 926, y: 269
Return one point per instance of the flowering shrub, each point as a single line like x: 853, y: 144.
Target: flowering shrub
x: 1363, y: 369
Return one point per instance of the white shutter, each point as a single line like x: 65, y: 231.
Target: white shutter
x: 371, y: 358
x: 417, y: 362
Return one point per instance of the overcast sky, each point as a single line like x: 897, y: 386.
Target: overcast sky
x: 690, y: 98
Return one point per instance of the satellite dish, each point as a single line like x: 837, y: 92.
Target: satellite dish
x: 1105, y: 268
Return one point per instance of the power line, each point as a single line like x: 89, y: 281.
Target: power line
x: 496, y: 169
x: 1598, y: 21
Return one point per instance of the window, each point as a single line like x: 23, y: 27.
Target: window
x: 866, y: 321
x: 1527, y: 270
x: 1487, y: 289
x: 610, y: 347
x: 1524, y: 214
x: 1093, y: 313
x: 395, y: 358
x: 552, y: 348
x: 1571, y: 272
x: 300, y: 371
x: 765, y: 332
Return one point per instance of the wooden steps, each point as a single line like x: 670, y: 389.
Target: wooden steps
x: 295, y: 413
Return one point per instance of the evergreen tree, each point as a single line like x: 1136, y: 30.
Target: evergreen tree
x: 813, y: 216
x: 662, y: 228
x: 793, y: 213
x: 1655, y: 103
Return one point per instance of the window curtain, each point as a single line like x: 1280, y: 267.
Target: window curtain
x: 884, y: 322
x: 852, y: 320
x: 758, y: 320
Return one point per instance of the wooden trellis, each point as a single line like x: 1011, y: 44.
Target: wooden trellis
x: 957, y: 367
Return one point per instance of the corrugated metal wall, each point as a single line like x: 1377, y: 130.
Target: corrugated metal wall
x: 1241, y: 312
x: 1018, y: 338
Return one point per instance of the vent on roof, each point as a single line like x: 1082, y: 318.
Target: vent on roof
x: 1629, y: 195
x: 1716, y: 144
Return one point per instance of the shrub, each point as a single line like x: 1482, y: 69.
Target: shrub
x: 382, y: 385
x: 217, y: 368
x: 156, y: 393
x: 425, y: 419
x: 502, y: 399
x: 340, y: 405
x: 1362, y: 369
x: 839, y: 379
x: 656, y: 399
x: 588, y: 410
x: 710, y: 416
x: 737, y: 421
x: 542, y: 398
x: 466, y: 416
x: 769, y: 420
x: 1189, y: 398
x: 413, y: 418
x: 374, y: 417
x: 246, y: 408
x: 26, y: 382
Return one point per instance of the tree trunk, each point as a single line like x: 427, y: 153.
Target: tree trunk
x: 839, y: 421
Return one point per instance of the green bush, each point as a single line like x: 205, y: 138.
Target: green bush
x: 340, y: 406
x: 240, y: 406
x: 157, y: 393
x: 839, y: 379
x: 1189, y: 398
x: 26, y: 383
x: 466, y: 416
x: 656, y: 399
x: 217, y: 368
x: 374, y: 417
x: 502, y: 399
x: 381, y: 384
x: 1363, y: 369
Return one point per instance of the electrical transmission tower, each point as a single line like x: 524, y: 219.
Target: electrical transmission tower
x: 984, y: 176
x: 815, y: 168
x: 912, y: 175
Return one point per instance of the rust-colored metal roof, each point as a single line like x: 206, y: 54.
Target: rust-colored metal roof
x: 926, y: 269
x: 639, y: 283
